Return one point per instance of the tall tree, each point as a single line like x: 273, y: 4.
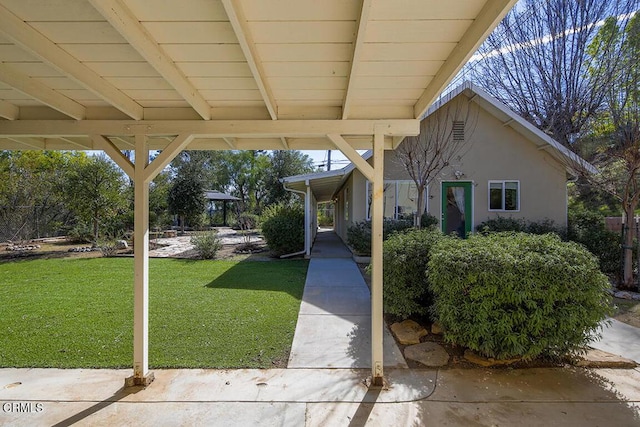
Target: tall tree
x: 617, y: 128
x: 95, y: 191
x: 284, y: 163
x: 32, y: 202
x: 536, y: 62
x: 186, y: 196
x: 444, y: 136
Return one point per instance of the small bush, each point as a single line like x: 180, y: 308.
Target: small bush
x: 510, y: 295
x: 359, y: 234
x: 406, y: 288
x: 81, y: 233
x: 428, y: 221
x: 246, y: 221
x: 109, y: 248
x: 588, y: 228
x: 206, y: 243
x: 283, y: 228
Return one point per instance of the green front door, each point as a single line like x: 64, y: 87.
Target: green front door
x: 457, y: 208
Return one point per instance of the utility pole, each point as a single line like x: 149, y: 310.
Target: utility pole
x: 329, y: 160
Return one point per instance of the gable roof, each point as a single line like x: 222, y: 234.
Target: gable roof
x: 510, y: 118
x: 325, y: 185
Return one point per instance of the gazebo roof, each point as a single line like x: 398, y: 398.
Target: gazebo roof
x: 71, y: 70
x: 216, y: 195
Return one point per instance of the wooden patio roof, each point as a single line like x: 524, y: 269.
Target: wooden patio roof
x: 281, y: 74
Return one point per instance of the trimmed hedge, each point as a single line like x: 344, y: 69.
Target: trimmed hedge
x: 406, y: 288
x: 509, y: 295
x: 283, y: 228
x: 359, y: 234
x: 501, y: 223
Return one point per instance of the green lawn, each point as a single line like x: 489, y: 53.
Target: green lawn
x: 78, y: 313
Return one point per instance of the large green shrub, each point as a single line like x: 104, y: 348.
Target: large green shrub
x: 359, y: 234
x: 588, y: 228
x: 501, y: 223
x: 406, y: 288
x: 283, y: 228
x: 506, y: 295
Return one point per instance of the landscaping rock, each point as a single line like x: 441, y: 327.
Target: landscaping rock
x: 436, y: 328
x: 623, y: 295
x: 408, y: 332
x: 428, y: 353
x: 121, y: 244
x: 477, y: 359
x: 601, y: 359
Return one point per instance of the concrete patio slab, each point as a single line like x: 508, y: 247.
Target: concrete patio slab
x: 322, y: 397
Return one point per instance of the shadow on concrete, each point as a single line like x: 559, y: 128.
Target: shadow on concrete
x: 362, y: 414
x: 116, y: 397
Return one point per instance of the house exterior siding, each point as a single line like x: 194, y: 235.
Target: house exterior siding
x: 494, y: 152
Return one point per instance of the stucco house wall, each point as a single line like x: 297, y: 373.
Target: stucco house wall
x: 493, y: 152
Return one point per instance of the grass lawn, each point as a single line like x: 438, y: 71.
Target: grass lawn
x: 78, y: 313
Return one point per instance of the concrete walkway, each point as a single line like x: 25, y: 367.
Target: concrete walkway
x: 620, y: 339
x: 334, y: 323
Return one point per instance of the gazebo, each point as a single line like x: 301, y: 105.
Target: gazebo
x: 216, y: 196
x: 228, y: 74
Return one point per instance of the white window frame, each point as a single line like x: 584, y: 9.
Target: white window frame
x: 503, y: 182
x: 395, y: 183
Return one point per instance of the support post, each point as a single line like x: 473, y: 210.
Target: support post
x: 308, y: 221
x: 141, y: 375
x: 377, y: 320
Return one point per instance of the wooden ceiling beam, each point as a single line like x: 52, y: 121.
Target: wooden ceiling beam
x: 357, y: 54
x: 25, y: 36
x: 211, y: 128
x: 240, y: 26
x: 488, y: 18
x: 129, y: 27
x: 9, y: 111
x: 41, y: 92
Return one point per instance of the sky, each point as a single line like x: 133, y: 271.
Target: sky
x: 338, y: 160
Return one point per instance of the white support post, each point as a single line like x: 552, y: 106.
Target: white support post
x: 308, y: 221
x: 377, y: 320
x: 141, y: 374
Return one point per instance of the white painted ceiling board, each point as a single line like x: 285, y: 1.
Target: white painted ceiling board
x: 303, y: 32
x: 79, y: 32
x: 123, y: 69
x: 103, y: 52
x: 214, y: 69
x: 295, y: 10
x: 314, y: 52
x: 307, y: 69
x: 204, y: 52
x: 425, y: 9
x: 240, y: 83
x: 176, y: 10
x: 52, y: 10
x: 204, y: 32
